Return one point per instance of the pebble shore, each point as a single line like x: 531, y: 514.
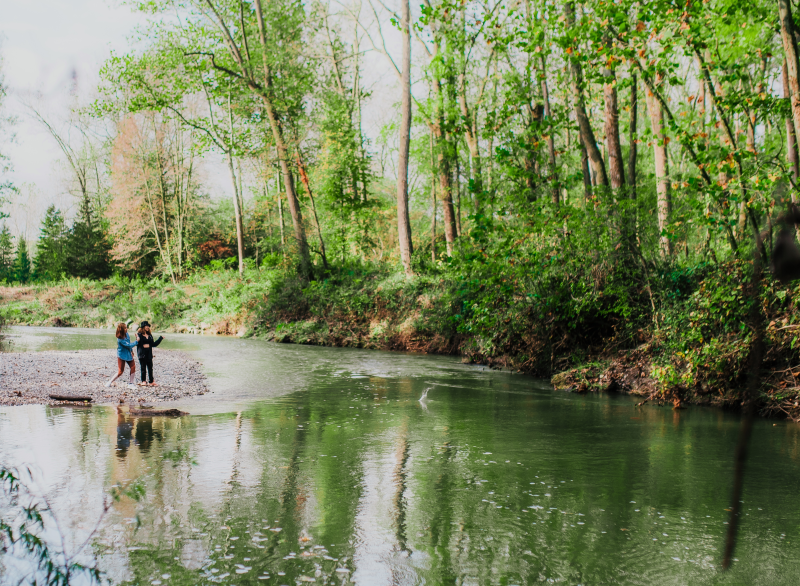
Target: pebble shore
x: 30, y: 377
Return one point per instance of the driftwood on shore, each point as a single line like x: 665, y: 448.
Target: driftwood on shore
x: 71, y: 398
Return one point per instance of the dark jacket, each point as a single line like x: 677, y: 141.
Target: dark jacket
x: 146, y: 340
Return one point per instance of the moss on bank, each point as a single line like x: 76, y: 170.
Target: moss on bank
x: 578, y: 323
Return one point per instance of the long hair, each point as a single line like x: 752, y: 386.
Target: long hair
x: 122, y: 329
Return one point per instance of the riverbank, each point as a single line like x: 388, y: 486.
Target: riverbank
x: 31, y: 377
x: 678, y: 338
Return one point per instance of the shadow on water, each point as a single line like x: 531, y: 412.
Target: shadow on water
x: 325, y: 467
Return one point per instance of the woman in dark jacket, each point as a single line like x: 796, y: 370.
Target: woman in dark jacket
x: 145, y: 345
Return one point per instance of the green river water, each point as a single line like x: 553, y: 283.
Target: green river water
x: 323, y: 465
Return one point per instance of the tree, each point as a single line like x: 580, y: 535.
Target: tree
x: 6, y: 122
x: 22, y: 262
x: 50, y: 261
x: 403, y: 221
x: 6, y: 254
x: 152, y: 209
x: 88, y: 251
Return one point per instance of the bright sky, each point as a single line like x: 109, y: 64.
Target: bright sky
x: 45, y: 44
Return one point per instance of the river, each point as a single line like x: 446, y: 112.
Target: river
x: 328, y: 465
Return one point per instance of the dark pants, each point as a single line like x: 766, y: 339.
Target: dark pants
x: 146, y: 364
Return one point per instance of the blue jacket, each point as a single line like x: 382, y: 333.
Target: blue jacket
x: 124, y: 348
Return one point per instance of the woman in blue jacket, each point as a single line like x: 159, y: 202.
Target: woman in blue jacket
x: 124, y: 354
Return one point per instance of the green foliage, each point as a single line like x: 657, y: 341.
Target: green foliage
x: 51, y: 250
x: 21, y: 269
x: 24, y: 523
x: 87, y: 248
x: 6, y: 255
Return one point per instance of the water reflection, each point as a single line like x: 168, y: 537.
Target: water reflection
x: 350, y: 478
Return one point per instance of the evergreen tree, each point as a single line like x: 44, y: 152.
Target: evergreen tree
x: 22, y: 264
x: 51, y: 257
x: 6, y: 255
x: 88, y: 251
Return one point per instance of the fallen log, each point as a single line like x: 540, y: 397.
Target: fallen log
x: 72, y: 398
x: 157, y: 412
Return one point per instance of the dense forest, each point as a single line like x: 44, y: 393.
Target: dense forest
x: 561, y: 186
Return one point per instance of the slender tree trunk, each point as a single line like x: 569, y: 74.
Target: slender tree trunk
x: 280, y: 216
x: 280, y: 144
x: 633, y: 152
x: 728, y: 137
x: 457, y: 182
x: 269, y: 208
x: 613, y: 145
x: 294, y: 203
x: 237, y: 212
x: 445, y: 173
x: 531, y: 166
x: 237, y: 207
x: 301, y: 169
x: 791, y: 135
x: 587, y: 134
x: 663, y: 201
x: 450, y: 232
x: 433, y: 202
x: 403, y: 219
x: 551, y: 145
x: 471, y: 136
x: 156, y: 232
x: 792, y: 66
x: 163, y: 196
x: 585, y: 172
x: 443, y: 146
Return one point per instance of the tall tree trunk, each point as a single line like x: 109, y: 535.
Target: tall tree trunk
x: 237, y: 208
x: 457, y: 183
x: 433, y: 202
x: 445, y: 183
x: 587, y: 174
x: 663, y: 201
x: 280, y: 215
x: 403, y: 219
x: 445, y: 173
x: 791, y: 135
x: 471, y: 136
x: 291, y: 197
x: 530, y: 161
x: 163, y: 197
x: 792, y: 66
x: 283, y: 152
x: 616, y: 169
x: 632, y: 136
x: 729, y: 138
x: 587, y: 134
x: 237, y: 213
x: 551, y: 145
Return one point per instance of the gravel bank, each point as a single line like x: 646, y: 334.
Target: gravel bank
x: 29, y: 377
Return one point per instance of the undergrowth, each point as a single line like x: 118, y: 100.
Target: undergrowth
x: 529, y: 305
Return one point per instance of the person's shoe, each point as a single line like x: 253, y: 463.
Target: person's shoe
x: 153, y: 384
x: 132, y: 386
x: 108, y: 384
